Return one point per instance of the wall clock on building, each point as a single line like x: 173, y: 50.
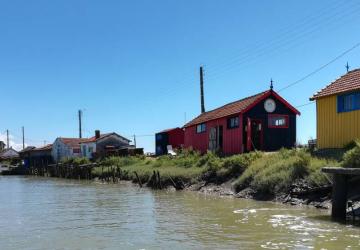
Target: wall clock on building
x: 270, y: 105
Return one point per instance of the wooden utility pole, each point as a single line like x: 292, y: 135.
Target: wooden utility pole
x: 23, y: 136
x: 7, y: 139
x: 80, y: 117
x: 135, y: 141
x: 202, y: 90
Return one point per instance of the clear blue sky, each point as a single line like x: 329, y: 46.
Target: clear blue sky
x: 132, y: 66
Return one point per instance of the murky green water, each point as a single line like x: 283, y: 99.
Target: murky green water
x: 38, y: 213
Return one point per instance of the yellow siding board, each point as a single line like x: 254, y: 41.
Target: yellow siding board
x: 334, y: 129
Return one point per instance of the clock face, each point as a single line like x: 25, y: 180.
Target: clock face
x: 270, y: 105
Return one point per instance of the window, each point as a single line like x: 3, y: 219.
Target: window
x: 348, y: 102
x: 278, y: 121
x: 90, y: 149
x: 233, y: 122
x: 76, y: 150
x: 201, y: 128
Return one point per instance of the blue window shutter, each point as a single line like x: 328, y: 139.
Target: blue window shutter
x: 340, y: 103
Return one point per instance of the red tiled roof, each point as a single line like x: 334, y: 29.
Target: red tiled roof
x: 226, y: 110
x: 93, y: 139
x: 348, y: 82
x: 237, y: 107
x: 73, y: 142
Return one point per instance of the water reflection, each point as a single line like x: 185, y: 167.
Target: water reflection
x: 43, y: 213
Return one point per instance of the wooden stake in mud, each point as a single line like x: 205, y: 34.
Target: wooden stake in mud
x: 139, y: 181
x: 159, y: 180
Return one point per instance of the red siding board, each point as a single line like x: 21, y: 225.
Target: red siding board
x: 176, y: 137
x: 232, y: 138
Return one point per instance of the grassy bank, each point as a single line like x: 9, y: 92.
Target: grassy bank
x: 268, y: 173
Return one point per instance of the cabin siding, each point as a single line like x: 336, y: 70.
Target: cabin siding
x: 176, y: 138
x: 334, y: 130
x: 232, y: 138
x: 273, y: 138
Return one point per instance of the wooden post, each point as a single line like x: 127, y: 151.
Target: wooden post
x: 137, y: 177
x: 339, y: 197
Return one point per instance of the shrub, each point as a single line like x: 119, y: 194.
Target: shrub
x: 236, y: 164
x: 76, y: 161
x: 275, y: 172
x: 352, y: 157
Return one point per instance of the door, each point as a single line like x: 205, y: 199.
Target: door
x: 254, y: 131
x: 216, y: 139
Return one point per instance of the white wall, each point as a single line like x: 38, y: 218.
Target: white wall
x: 87, y: 149
x: 61, y: 151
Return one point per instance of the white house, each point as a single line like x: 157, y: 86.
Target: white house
x: 64, y: 148
x: 100, y: 144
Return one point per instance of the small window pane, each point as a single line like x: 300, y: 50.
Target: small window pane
x: 233, y: 122
x: 201, y: 128
x: 278, y: 121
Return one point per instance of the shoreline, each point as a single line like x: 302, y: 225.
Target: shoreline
x: 222, y: 190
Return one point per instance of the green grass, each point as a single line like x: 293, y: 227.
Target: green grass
x: 352, y: 156
x: 264, y: 172
x: 274, y: 173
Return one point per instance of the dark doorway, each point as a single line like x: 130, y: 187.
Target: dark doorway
x: 254, y: 134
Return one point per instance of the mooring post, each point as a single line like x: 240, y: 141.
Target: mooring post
x: 339, y: 197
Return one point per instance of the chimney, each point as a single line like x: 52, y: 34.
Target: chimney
x: 202, y: 90
x: 97, y: 134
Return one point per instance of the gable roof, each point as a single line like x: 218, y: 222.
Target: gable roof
x: 9, y: 153
x: 27, y: 149
x: 348, y: 82
x: 44, y: 148
x: 240, y: 106
x: 72, y: 142
x: 94, y: 139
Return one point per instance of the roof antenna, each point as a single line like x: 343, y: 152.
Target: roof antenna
x: 271, y: 84
x: 347, y: 67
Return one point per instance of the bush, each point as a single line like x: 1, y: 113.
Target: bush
x: 352, y: 157
x: 235, y: 165
x: 275, y: 172
x: 76, y: 161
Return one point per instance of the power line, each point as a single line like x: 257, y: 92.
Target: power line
x: 303, y: 105
x: 320, y: 68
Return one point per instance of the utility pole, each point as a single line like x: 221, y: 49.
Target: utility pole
x: 135, y: 141
x: 202, y: 90
x: 23, y: 136
x: 80, y: 117
x: 7, y: 138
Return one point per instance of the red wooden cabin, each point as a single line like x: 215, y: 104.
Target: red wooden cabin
x: 173, y: 137
x: 264, y: 121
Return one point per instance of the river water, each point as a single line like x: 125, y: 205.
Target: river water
x: 40, y: 213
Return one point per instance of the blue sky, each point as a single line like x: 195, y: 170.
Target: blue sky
x: 132, y: 66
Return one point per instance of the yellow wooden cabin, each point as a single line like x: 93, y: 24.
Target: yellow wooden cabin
x: 338, y: 111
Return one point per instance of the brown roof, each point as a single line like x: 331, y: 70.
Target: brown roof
x: 73, y: 142
x: 47, y: 147
x: 237, y: 107
x: 94, y: 139
x: 226, y: 110
x: 348, y: 82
